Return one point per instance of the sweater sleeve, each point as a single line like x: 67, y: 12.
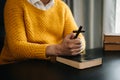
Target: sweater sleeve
x: 16, y: 37
x: 71, y: 25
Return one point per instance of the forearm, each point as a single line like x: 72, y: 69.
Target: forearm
x: 26, y: 50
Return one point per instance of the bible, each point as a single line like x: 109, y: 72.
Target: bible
x: 91, y: 58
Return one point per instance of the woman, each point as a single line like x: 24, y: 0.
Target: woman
x: 38, y: 29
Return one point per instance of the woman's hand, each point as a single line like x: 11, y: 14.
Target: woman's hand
x: 69, y: 46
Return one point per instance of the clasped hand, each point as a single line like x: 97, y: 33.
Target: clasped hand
x: 70, y: 46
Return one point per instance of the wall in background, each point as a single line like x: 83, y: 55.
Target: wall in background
x: 89, y: 14
x: 109, y: 16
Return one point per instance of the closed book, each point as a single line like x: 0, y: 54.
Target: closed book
x: 112, y: 38
x: 112, y: 47
x: 91, y: 58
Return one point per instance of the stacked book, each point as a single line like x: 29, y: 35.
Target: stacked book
x: 112, y: 42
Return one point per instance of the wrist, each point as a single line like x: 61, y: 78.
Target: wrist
x: 53, y: 50
x: 58, y: 49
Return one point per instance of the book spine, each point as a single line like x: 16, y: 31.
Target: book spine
x: 112, y: 39
x: 112, y: 47
x: 111, y: 43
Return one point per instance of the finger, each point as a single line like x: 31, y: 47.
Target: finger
x: 70, y: 36
x: 76, y: 46
x: 76, y: 41
x: 75, y: 51
x: 79, y: 42
x: 82, y: 48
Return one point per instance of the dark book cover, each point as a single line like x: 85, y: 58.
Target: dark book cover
x: 92, y: 57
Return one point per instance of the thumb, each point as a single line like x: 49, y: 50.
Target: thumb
x: 70, y: 36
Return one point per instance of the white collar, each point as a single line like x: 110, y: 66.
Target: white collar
x: 35, y: 1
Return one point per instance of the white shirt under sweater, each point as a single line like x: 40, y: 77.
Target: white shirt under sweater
x: 38, y: 4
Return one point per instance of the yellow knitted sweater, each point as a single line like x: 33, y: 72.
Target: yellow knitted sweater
x: 30, y: 30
